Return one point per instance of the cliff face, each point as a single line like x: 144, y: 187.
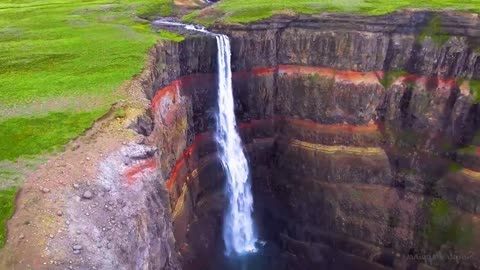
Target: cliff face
x: 361, y: 134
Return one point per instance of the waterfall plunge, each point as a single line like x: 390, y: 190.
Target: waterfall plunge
x: 238, y: 233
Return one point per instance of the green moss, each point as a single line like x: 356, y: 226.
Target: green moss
x: 390, y: 76
x: 31, y: 136
x: 7, y: 208
x: 434, y: 31
x: 313, y: 78
x: 467, y: 150
x: 444, y: 226
x: 454, y: 167
x: 120, y: 113
x: 475, y: 90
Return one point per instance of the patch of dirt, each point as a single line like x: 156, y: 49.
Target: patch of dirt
x: 190, y: 3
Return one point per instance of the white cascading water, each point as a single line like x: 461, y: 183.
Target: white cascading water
x: 238, y: 234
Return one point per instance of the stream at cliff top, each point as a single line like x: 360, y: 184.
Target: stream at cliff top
x: 238, y: 232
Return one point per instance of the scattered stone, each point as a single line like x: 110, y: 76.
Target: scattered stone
x: 77, y: 247
x: 76, y: 252
x: 76, y: 186
x: 88, y: 158
x: 67, y: 222
x: 79, y: 232
x: 45, y: 190
x: 59, y: 213
x: 137, y: 152
x: 22, y: 236
x: 51, y: 235
x: 87, y: 195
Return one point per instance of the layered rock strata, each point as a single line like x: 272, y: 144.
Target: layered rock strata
x: 361, y: 134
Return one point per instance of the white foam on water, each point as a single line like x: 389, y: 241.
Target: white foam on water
x: 238, y: 233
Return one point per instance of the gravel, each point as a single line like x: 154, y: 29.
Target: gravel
x: 87, y: 195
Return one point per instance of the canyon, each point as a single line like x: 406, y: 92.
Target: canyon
x: 350, y: 169
x: 361, y: 135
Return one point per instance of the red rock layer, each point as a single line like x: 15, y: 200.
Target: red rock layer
x: 200, y: 139
x: 132, y: 173
x: 372, y: 77
x: 187, y: 154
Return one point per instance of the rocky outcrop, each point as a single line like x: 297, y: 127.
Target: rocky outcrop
x: 360, y: 133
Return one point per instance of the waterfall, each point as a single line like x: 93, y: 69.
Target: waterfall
x: 238, y: 233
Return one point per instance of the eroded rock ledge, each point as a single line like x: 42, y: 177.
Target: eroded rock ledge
x: 352, y: 168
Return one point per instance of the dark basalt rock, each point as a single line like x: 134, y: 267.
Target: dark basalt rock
x: 347, y: 172
x: 361, y: 43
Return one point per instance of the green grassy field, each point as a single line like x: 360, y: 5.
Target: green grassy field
x: 243, y: 11
x: 7, y: 207
x: 62, y: 52
x: 50, y: 49
x: 31, y: 136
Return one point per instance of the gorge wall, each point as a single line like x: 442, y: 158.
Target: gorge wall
x: 361, y: 135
